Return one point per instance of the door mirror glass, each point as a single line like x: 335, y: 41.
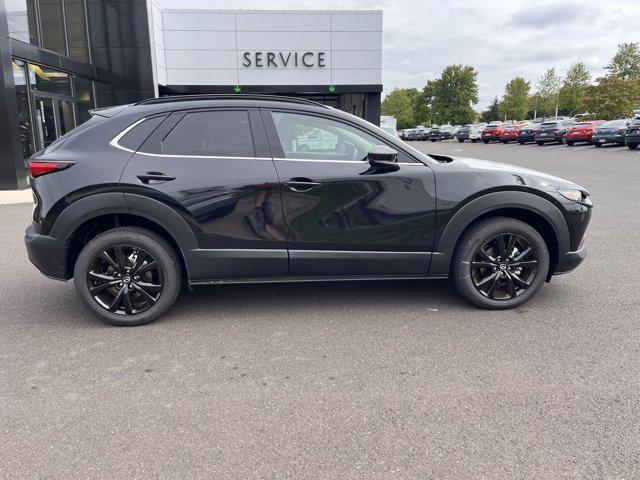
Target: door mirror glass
x: 382, y: 155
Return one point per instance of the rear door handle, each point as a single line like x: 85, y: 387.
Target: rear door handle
x: 300, y: 184
x: 155, y: 177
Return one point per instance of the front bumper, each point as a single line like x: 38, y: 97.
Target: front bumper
x: 570, y: 260
x: 48, y: 254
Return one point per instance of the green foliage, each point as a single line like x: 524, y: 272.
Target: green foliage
x: 451, y: 96
x: 546, y: 97
x: 613, y: 98
x: 400, y: 104
x: 492, y: 113
x: 625, y: 64
x: 515, y: 101
x: 572, y: 94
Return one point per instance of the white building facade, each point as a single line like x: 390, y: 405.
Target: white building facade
x: 333, y: 57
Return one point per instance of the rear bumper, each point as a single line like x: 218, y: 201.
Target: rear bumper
x: 570, y: 260
x: 577, y: 138
x: 48, y: 254
x: 611, y: 139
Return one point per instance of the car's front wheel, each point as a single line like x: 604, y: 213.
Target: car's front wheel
x: 500, y: 263
x: 632, y: 146
x: 127, y: 276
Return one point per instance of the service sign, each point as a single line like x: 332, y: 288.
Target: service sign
x: 284, y: 59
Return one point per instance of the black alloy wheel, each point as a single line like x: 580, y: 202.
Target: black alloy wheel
x: 500, y: 263
x: 128, y: 276
x: 504, y: 266
x: 125, y: 279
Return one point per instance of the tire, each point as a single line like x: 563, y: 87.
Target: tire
x: 632, y: 146
x: 167, y: 275
x: 521, y: 142
x: 477, y: 236
x: 569, y: 143
x: 461, y: 140
x: 598, y: 145
x: 540, y: 144
x: 486, y: 141
x: 474, y: 140
x: 432, y: 139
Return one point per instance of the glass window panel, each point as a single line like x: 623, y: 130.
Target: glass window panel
x: 24, y: 114
x: 65, y: 116
x: 221, y: 133
x: 45, y: 79
x: 51, y: 25
x: 84, y: 98
x: 76, y: 29
x: 45, y: 122
x: 138, y: 134
x: 21, y: 17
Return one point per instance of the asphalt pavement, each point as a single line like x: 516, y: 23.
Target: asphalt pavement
x: 381, y: 380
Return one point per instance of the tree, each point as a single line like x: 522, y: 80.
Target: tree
x: 613, y: 98
x: 572, y: 94
x: 492, y: 113
x: 548, y: 87
x: 515, y: 101
x: 400, y: 104
x: 625, y: 64
x: 451, y: 96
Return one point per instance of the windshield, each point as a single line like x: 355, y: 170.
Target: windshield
x: 613, y: 124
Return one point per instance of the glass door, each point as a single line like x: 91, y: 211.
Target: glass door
x: 53, y: 117
x: 45, y: 122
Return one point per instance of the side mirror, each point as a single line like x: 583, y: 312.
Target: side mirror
x: 382, y: 155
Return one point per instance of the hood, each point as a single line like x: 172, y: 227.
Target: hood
x: 512, y: 174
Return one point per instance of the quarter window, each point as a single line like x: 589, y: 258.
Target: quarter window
x: 219, y: 133
x: 138, y: 134
x: 305, y: 136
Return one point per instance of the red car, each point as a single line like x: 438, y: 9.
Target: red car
x: 510, y: 132
x: 492, y: 132
x: 581, y: 132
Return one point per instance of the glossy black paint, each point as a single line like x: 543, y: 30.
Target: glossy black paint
x: 325, y: 219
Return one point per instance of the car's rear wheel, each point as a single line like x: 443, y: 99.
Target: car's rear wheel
x: 540, y: 144
x: 632, y: 146
x: 461, y: 140
x: 500, y: 263
x: 598, y: 145
x: 127, y: 276
x: 569, y: 143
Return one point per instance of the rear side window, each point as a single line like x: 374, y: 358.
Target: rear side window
x: 138, y: 134
x: 215, y: 133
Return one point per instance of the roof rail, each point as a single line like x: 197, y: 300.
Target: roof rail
x: 234, y: 96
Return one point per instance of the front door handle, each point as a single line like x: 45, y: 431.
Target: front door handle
x: 300, y: 184
x: 155, y: 177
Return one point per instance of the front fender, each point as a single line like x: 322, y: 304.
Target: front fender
x: 441, y: 260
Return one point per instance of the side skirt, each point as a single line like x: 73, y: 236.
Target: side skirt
x: 224, y: 281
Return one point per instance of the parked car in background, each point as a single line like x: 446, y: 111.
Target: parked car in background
x: 434, y: 133
x: 527, y: 133
x: 402, y: 133
x: 613, y: 131
x: 463, y: 133
x: 492, y: 132
x: 552, y: 132
x: 632, y: 138
x: 446, y: 132
x: 581, y: 132
x: 475, y: 131
x: 510, y: 132
x: 412, y: 134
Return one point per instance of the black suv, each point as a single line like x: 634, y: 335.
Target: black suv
x: 551, y: 132
x: 248, y: 188
x: 632, y: 138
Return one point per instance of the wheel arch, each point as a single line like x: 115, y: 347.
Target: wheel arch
x: 89, y: 216
x: 530, y: 208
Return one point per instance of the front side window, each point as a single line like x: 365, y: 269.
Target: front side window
x: 214, y: 133
x: 306, y: 136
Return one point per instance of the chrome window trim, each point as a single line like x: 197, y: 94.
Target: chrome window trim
x: 114, y: 141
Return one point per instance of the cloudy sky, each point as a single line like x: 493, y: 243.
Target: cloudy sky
x: 500, y: 38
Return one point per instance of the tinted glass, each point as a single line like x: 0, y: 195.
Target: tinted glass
x: 45, y: 79
x: 337, y: 140
x: 138, y: 134
x: 613, y: 124
x: 51, y: 25
x: 21, y: 19
x: 220, y: 133
x: 76, y: 29
x: 84, y: 98
x: 24, y: 115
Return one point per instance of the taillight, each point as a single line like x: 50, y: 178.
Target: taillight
x: 37, y: 169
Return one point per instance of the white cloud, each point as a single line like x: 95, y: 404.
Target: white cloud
x: 501, y: 38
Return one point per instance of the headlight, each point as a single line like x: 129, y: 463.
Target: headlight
x: 573, y: 195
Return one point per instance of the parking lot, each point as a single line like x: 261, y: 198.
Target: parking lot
x: 388, y: 380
